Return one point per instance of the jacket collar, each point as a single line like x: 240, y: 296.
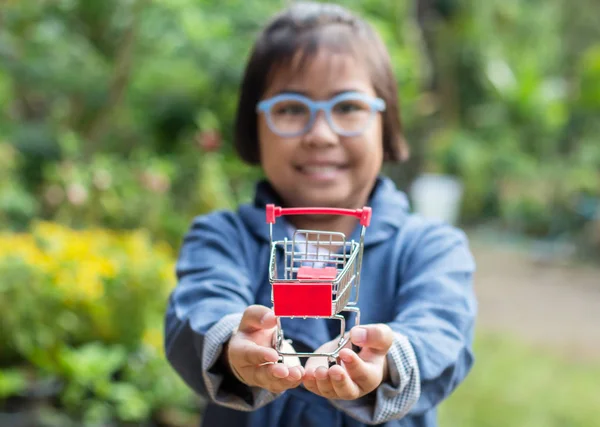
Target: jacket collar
x: 389, y: 205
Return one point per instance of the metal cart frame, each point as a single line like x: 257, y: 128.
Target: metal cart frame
x: 315, y: 283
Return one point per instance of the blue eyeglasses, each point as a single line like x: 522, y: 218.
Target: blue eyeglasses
x: 348, y: 114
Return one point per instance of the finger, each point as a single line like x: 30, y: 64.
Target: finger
x: 315, y: 362
x: 294, y: 379
x: 285, y: 384
x: 278, y: 370
x: 363, y: 374
x: 257, y: 317
x: 277, y: 378
x: 309, y: 381
x: 342, y: 384
x: 267, y: 376
x: 378, y: 338
x: 324, y: 383
x: 291, y: 361
x: 295, y: 373
x: 253, y: 354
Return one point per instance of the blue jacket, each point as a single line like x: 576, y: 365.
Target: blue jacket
x: 416, y: 277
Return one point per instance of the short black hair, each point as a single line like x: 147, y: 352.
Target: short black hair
x: 302, y: 28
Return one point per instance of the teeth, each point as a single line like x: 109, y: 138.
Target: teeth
x: 319, y: 169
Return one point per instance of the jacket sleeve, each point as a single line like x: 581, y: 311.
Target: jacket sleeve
x: 394, y: 398
x: 433, y: 327
x: 437, y: 309
x: 212, y: 292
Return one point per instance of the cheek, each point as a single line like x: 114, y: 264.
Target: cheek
x: 369, y: 150
x: 266, y: 143
x: 273, y: 151
x: 377, y: 142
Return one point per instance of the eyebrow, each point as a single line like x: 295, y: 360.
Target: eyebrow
x: 304, y: 93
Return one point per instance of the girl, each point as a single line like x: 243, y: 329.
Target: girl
x: 318, y: 111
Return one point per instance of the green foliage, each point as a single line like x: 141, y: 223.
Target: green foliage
x: 519, y: 120
x: 515, y: 384
x: 82, y: 315
x: 17, y: 205
x: 106, y: 105
x: 502, y: 94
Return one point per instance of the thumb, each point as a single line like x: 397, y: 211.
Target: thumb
x: 378, y: 338
x: 257, y: 317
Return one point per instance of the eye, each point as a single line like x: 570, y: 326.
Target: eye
x: 289, y: 108
x: 347, y: 107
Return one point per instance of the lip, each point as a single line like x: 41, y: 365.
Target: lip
x: 321, y: 171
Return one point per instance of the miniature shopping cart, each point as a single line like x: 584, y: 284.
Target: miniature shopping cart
x: 321, y: 276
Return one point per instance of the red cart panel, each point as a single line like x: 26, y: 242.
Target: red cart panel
x: 302, y: 299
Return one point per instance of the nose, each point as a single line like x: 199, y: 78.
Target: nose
x: 320, y: 133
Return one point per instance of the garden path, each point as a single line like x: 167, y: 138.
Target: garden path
x: 544, y: 303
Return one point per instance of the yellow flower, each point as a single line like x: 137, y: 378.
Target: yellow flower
x: 153, y: 338
x: 88, y: 284
x: 49, y: 229
x: 107, y: 268
x: 84, y: 269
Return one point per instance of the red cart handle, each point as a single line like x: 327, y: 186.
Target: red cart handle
x: 363, y: 214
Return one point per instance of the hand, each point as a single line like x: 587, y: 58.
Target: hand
x: 359, y: 374
x: 252, y: 358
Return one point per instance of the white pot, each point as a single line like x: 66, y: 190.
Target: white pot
x: 437, y: 197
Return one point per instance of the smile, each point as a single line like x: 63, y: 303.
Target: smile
x: 319, y: 169
x: 321, y: 172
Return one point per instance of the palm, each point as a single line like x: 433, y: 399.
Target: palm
x: 254, y: 360
x: 328, y: 347
x: 356, y: 374
x: 264, y: 338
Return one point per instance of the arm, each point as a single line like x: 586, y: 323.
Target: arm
x: 431, y: 350
x: 437, y: 308
x: 213, y: 291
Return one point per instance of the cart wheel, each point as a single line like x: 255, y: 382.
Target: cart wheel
x: 278, y: 339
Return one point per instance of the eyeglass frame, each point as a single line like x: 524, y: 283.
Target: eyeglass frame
x: 376, y: 105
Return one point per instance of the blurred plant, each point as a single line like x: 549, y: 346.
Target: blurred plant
x: 107, y: 104
x: 83, y: 310
x: 144, y: 191
x: 17, y: 206
x: 515, y: 122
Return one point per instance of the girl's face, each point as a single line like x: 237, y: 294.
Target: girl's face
x: 320, y: 167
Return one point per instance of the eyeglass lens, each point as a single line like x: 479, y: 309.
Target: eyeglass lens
x: 293, y: 116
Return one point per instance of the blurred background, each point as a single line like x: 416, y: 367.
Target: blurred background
x: 115, y: 131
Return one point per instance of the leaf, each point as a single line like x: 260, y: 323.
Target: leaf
x: 130, y: 402
x: 12, y: 382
